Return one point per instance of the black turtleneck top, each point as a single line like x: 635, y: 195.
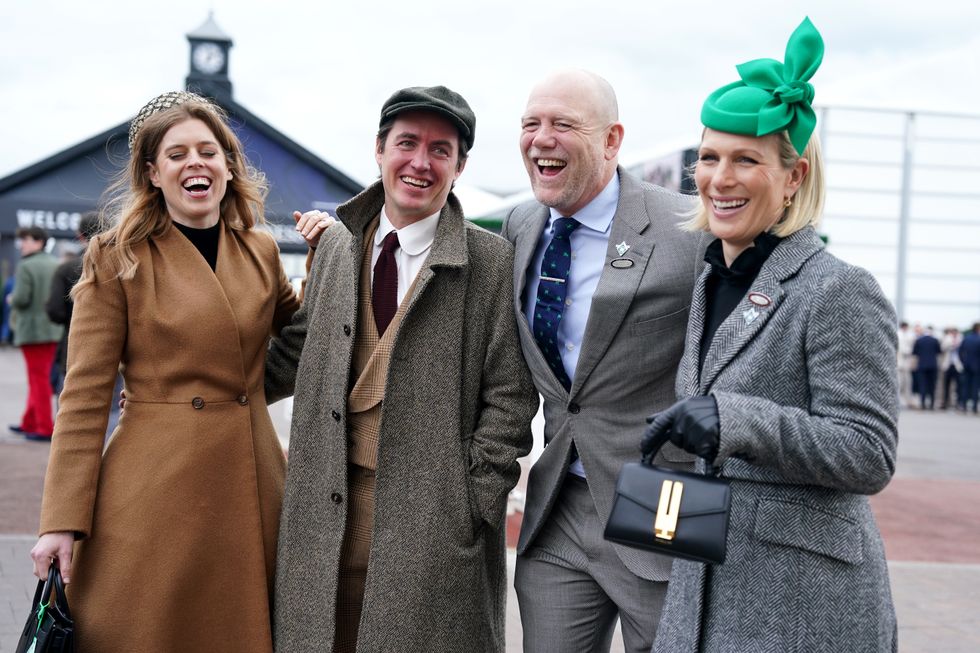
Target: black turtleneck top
x: 726, y: 286
x: 205, y: 240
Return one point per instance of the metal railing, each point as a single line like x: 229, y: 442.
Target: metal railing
x: 903, y: 201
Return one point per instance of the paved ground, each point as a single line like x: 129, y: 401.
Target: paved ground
x: 928, y: 516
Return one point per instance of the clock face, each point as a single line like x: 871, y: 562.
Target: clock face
x: 208, y: 58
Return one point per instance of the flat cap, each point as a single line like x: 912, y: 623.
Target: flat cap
x: 438, y: 99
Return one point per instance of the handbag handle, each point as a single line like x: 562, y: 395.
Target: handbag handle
x: 54, y: 584
x: 61, y: 597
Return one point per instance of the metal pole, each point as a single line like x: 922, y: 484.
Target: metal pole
x: 903, y: 216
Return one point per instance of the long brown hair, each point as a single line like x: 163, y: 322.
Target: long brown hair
x: 136, y: 208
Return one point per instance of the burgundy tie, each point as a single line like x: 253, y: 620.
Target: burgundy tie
x: 384, y: 292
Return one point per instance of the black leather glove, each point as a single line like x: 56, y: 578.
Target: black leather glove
x: 691, y: 424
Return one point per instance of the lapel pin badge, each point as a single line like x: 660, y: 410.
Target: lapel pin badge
x: 750, y: 315
x: 759, y: 299
x: 622, y: 248
x: 621, y: 263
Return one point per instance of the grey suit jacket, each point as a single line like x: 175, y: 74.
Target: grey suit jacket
x: 633, y: 341
x: 806, y: 391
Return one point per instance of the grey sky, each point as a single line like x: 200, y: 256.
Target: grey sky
x: 319, y: 71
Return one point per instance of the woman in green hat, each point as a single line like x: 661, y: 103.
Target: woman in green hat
x: 789, y: 388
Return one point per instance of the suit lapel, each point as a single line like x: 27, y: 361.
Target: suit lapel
x: 748, y: 318
x: 526, y: 245
x: 617, y: 286
x: 531, y: 231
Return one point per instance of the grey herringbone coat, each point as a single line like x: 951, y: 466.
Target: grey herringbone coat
x: 806, y: 391
x: 455, y: 417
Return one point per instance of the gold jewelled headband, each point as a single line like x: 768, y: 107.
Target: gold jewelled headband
x: 161, y: 103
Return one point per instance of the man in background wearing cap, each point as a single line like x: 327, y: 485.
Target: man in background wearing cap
x: 602, y: 333
x: 34, y: 333
x: 412, y: 405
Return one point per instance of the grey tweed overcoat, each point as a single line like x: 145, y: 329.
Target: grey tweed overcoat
x: 806, y: 389
x: 456, y: 416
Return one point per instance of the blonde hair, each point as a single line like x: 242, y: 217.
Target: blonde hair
x: 807, y: 207
x: 136, y: 208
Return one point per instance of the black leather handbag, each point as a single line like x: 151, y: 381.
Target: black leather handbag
x: 49, y: 627
x: 676, y: 513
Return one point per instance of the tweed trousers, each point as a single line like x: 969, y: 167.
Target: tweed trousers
x: 370, y: 371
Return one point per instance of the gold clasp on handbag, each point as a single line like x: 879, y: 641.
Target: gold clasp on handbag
x: 668, y: 510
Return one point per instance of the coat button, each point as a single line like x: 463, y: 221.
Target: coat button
x: 242, y: 400
x: 486, y: 467
x: 335, y: 415
x: 346, y: 329
x: 197, y: 403
x: 336, y: 498
x: 573, y: 408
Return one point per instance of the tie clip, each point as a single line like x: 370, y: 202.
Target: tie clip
x: 555, y: 279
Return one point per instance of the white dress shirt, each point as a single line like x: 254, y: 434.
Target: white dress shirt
x: 589, y: 244
x: 414, y: 243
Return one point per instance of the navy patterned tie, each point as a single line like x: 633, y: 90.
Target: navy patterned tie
x: 552, y: 289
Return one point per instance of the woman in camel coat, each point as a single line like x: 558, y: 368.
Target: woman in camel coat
x: 168, y: 537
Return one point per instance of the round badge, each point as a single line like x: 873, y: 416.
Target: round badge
x: 621, y: 263
x: 759, y: 299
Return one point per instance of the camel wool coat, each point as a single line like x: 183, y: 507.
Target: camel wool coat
x: 177, y: 520
x: 455, y: 417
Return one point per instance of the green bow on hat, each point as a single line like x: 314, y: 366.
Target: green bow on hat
x: 771, y: 96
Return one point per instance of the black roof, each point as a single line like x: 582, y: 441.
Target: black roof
x: 52, y: 192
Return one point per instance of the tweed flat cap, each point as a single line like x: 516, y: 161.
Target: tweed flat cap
x: 433, y: 98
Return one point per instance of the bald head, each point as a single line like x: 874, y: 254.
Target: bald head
x: 593, y: 91
x: 570, y: 138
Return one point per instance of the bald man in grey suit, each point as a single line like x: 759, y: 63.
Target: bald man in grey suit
x: 603, y: 281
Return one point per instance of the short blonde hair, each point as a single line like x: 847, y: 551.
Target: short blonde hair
x: 807, y: 207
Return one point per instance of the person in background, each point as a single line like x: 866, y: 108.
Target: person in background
x: 926, y: 351
x: 168, y: 538
x: 951, y: 366
x: 34, y: 333
x: 788, y: 389
x: 906, y: 363
x: 6, y: 329
x: 59, y: 304
x: 969, y: 353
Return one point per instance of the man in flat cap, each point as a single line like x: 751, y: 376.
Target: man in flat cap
x: 412, y: 405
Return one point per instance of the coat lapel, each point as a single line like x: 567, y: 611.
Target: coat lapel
x: 211, y: 291
x: 449, y: 248
x: 740, y: 327
x: 689, y: 372
x: 617, y: 286
x: 748, y: 318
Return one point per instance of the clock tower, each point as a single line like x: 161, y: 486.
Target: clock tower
x: 209, y: 60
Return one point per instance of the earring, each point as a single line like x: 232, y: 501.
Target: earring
x: 787, y: 203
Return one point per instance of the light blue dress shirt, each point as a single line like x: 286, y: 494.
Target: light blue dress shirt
x: 589, y: 244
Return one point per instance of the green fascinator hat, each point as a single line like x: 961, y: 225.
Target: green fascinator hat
x: 771, y: 96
